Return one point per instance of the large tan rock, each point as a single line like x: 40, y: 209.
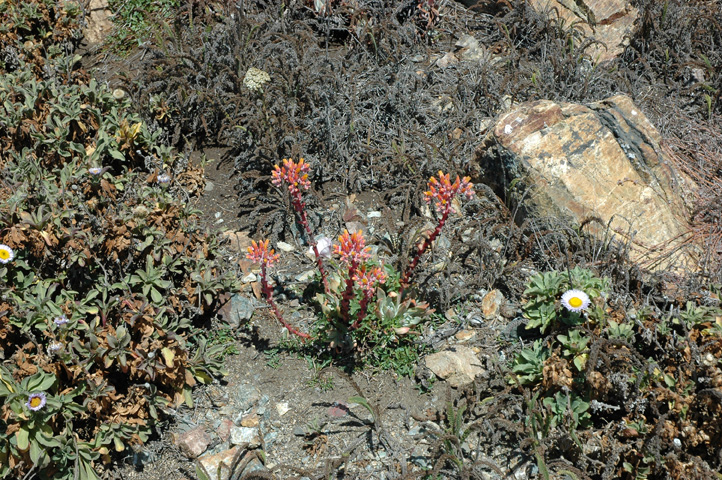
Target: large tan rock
x: 607, y: 21
x: 98, y: 21
x: 603, y: 160
x: 458, y: 366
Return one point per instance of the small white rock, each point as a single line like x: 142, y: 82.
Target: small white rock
x: 249, y: 435
x: 286, y: 247
x: 282, y: 408
x: 249, y: 278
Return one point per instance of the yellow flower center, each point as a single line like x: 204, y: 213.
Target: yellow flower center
x: 35, y: 402
x: 575, y: 302
x: 4, y: 254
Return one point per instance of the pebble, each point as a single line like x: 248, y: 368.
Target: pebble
x: 282, y: 408
x: 286, y: 247
x: 305, y: 276
x: 250, y: 278
x: 247, y: 397
x: 245, y: 435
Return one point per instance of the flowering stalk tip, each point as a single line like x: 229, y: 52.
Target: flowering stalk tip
x: 260, y: 253
x: 295, y: 175
x: 442, y: 192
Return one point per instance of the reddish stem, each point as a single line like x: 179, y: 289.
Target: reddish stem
x: 424, y: 246
x: 363, y: 309
x: 300, y: 208
x: 268, y: 293
x: 348, y: 293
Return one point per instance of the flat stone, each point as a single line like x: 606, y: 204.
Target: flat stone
x: 252, y: 420
x: 491, y: 304
x: 286, y: 247
x: 465, y: 335
x: 458, y: 366
x: 238, y: 242
x: 249, y: 278
x: 247, y: 397
x: 224, y: 429
x: 99, y: 23
x: 245, y: 436
x: 210, y: 463
x: 448, y: 59
x: 236, y: 308
x: 193, y: 442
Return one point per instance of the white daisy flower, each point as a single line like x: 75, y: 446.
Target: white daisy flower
x: 95, y: 170
x: 575, y: 300
x: 163, y: 178
x: 6, y: 254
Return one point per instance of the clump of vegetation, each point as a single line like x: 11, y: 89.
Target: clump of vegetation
x: 606, y: 387
x: 138, y: 22
x: 365, y: 306
x: 105, y: 272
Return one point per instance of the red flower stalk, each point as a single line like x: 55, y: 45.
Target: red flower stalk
x: 295, y: 175
x: 259, y: 253
x: 352, y: 249
x: 367, y: 280
x: 442, y: 193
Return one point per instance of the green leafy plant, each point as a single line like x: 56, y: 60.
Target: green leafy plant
x: 101, y: 314
x: 359, y: 311
x: 543, y: 309
x: 575, y: 345
x: 528, y: 365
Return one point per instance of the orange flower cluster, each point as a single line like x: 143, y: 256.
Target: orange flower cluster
x: 367, y: 278
x: 352, y: 248
x: 259, y: 252
x: 442, y: 191
x: 294, y: 174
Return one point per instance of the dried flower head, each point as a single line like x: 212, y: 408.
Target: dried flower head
x: 575, y: 300
x: 368, y: 278
x: 36, y: 401
x: 294, y: 174
x: 255, y: 79
x: 61, y: 320
x: 443, y: 191
x: 55, y: 347
x: 6, y: 253
x: 352, y: 248
x: 258, y: 252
